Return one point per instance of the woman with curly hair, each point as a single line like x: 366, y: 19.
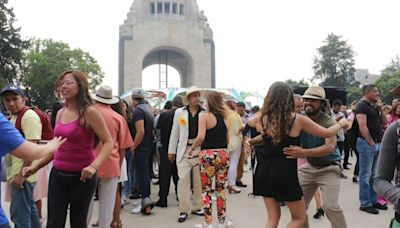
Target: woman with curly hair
x: 276, y: 175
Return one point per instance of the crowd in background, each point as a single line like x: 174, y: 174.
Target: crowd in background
x: 297, y: 146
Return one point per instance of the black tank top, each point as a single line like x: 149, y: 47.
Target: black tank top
x: 270, y: 149
x: 216, y: 136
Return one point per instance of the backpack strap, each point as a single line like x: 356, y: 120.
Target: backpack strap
x: 18, y: 122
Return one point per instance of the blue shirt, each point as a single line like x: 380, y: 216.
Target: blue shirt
x: 10, y: 139
x: 310, y: 141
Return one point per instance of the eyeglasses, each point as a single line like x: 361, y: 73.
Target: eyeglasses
x: 67, y: 82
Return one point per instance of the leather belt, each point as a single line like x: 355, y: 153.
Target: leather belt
x: 325, y: 165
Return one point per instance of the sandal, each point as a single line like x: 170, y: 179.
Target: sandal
x: 116, y: 224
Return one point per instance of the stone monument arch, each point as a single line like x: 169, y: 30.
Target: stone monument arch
x: 169, y: 32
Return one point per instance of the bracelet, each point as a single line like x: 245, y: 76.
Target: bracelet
x: 94, y: 167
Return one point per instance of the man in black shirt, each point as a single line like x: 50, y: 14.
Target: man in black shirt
x: 167, y: 168
x: 142, y: 133
x: 370, y: 120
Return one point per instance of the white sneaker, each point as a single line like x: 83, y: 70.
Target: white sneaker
x: 137, y: 209
x: 227, y: 224
x: 137, y: 203
x: 203, y: 225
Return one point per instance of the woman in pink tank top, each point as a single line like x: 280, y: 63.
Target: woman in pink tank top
x: 73, y: 178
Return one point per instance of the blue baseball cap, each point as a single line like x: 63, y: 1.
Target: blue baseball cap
x: 12, y: 88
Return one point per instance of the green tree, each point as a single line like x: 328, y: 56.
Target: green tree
x: 354, y: 92
x: 300, y: 83
x: 11, y: 46
x: 385, y: 83
x: 392, y: 67
x: 334, y: 62
x: 46, y: 60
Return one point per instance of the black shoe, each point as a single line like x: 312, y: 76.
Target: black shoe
x: 156, y: 182
x: 355, y: 180
x: 182, y: 217
x: 283, y: 204
x: 370, y: 209
x: 380, y: 206
x: 199, y: 212
x: 348, y: 163
x: 345, y: 167
x: 320, y: 212
x: 343, y: 176
x: 135, y: 195
x: 161, y: 204
x: 240, y: 184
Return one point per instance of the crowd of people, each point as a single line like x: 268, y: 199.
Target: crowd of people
x: 106, y: 149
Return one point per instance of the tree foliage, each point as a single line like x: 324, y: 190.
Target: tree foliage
x: 46, y: 60
x: 392, y: 67
x: 11, y: 46
x: 386, y: 83
x: 294, y: 83
x: 334, y: 62
x: 354, y: 92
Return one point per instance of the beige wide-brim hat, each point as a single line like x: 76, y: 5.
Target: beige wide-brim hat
x: 192, y: 90
x: 104, y: 95
x: 315, y: 92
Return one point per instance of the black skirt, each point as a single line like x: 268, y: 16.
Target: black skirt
x: 276, y: 177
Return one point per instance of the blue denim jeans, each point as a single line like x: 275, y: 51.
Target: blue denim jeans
x: 128, y: 184
x: 368, y: 156
x: 142, y: 175
x: 23, y: 210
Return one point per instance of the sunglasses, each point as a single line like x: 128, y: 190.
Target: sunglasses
x: 67, y: 82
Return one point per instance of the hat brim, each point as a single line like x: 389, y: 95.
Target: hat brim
x: 137, y: 96
x: 10, y: 91
x: 312, y: 97
x: 110, y: 101
x: 315, y: 98
x: 188, y: 93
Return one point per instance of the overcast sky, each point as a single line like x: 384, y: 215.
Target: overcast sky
x: 257, y: 41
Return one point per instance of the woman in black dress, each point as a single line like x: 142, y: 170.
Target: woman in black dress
x: 276, y: 175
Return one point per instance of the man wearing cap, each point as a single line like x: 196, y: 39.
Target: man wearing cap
x: 184, y: 131
x: 143, y: 135
x: 23, y: 210
x: 322, y: 169
x: 109, y: 171
x: 370, y: 119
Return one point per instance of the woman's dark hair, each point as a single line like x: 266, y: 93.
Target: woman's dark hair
x: 119, y: 108
x: 278, y: 108
x: 83, y: 99
x: 128, y: 111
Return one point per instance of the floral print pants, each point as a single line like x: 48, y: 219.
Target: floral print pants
x: 214, y: 164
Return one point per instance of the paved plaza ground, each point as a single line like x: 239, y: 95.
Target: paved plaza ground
x: 248, y: 212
